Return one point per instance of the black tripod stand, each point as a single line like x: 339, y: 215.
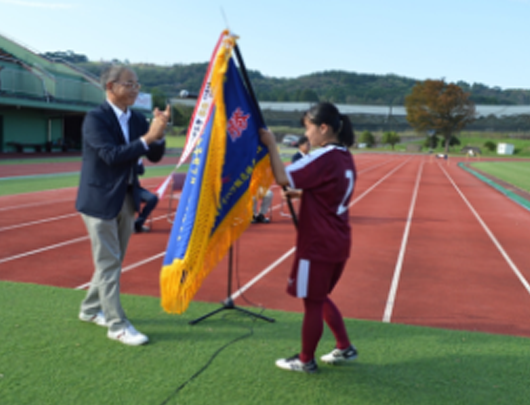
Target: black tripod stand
x: 228, y: 303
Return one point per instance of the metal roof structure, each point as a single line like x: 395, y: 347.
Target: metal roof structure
x: 482, y: 110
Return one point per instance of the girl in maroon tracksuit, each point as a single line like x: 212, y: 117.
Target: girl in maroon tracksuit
x: 324, y: 180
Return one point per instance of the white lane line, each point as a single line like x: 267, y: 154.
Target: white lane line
x: 55, y: 246
x: 512, y: 265
x: 129, y: 267
x: 7, y: 228
x: 39, y: 203
x: 41, y: 221
x: 291, y: 251
x: 46, y: 248
x: 43, y: 249
x: 391, y: 300
x: 262, y: 274
x: 35, y: 204
x: 368, y: 169
x: 367, y: 191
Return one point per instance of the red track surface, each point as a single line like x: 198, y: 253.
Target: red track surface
x: 455, y: 264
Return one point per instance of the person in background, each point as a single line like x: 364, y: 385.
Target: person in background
x: 149, y: 199
x: 114, y: 138
x: 325, y: 180
x: 259, y: 215
x: 303, y: 149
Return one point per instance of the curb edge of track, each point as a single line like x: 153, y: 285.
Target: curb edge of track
x: 510, y: 194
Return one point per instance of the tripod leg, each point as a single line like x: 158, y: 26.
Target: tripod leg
x: 195, y: 321
x: 228, y: 303
x: 265, y: 318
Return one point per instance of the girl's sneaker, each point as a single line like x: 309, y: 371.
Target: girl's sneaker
x: 339, y: 356
x: 295, y: 364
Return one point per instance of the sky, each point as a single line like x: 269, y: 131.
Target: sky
x: 477, y: 41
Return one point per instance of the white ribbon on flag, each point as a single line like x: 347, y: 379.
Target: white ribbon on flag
x: 161, y: 189
x: 203, y: 108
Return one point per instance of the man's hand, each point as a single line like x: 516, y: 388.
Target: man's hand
x: 158, y: 125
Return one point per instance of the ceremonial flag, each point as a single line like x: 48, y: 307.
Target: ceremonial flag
x: 161, y: 189
x: 228, y: 166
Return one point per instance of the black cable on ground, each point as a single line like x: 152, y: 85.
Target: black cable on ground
x: 219, y: 350
x: 203, y: 368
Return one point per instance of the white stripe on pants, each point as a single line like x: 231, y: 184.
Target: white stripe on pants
x: 302, y: 278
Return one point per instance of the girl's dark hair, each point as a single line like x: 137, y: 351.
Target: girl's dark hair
x: 327, y: 113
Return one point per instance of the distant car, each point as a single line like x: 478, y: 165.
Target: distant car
x: 290, y: 140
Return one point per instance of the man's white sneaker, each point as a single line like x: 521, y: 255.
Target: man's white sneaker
x: 128, y: 336
x: 98, y: 318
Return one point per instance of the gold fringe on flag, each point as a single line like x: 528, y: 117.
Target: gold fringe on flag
x: 180, y: 280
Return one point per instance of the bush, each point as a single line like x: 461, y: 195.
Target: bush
x: 454, y: 141
x: 431, y: 142
x: 368, y: 138
x: 391, y: 138
x: 490, y: 145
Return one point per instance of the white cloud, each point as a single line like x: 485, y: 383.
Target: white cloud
x: 37, y: 4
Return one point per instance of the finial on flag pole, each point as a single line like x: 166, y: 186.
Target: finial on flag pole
x: 224, y: 18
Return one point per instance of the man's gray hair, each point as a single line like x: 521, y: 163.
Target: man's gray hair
x: 112, y: 74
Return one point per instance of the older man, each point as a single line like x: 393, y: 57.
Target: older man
x: 114, y: 138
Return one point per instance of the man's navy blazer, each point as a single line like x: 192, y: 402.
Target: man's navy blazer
x: 108, y: 161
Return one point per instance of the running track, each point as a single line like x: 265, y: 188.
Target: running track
x: 432, y: 245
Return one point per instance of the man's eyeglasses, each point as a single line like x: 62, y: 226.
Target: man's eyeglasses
x: 130, y: 85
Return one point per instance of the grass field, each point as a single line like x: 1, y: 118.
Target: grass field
x: 516, y: 173
x: 466, y: 138
x: 47, y: 356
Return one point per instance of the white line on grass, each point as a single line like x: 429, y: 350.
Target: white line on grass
x: 399, y: 264
x: 490, y: 234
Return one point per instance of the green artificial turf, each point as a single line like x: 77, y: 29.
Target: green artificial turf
x: 48, y: 356
x: 513, y: 172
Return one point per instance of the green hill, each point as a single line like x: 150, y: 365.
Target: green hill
x: 336, y: 86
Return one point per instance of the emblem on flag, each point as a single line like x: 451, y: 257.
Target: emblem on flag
x: 237, y: 124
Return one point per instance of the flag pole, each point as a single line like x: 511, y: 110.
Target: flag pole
x: 260, y: 116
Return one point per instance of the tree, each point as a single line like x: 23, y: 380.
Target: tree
x: 367, y: 138
x: 431, y: 141
x: 390, y: 137
x: 490, y: 145
x: 159, y: 98
x: 181, y: 115
x: 439, y: 106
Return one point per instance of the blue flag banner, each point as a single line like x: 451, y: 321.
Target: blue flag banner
x: 228, y: 166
